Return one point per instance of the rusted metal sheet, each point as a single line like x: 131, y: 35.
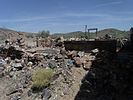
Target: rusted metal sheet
x: 87, y: 46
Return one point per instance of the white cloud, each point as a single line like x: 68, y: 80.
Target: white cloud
x: 21, y: 20
x: 51, y: 17
x: 86, y: 15
x: 109, y: 3
x: 34, y: 18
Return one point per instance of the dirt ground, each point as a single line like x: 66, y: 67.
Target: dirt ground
x: 78, y: 74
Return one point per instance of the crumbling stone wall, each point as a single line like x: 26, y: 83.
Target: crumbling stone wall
x: 108, y: 78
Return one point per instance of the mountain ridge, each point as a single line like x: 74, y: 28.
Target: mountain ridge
x: 110, y: 31
x: 6, y: 33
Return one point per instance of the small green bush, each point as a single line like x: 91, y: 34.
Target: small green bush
x: 41, y: 78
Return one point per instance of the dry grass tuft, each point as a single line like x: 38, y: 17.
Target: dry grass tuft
x: 41, y: 78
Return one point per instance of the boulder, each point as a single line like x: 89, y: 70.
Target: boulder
x: 17, y: 66
x: 52, y: 64
x: 77, y: 62
x: 46, y: 94
x: 72, y: 54
x: 80, y: 54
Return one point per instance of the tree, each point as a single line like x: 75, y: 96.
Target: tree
x: 43, y: 34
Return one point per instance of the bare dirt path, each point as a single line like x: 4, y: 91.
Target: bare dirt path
x: 78, y: 74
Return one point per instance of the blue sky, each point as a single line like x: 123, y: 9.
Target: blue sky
x: 65, y: 15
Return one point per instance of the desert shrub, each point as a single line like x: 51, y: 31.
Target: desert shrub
x: 41, y: 78
x: 43, y: 34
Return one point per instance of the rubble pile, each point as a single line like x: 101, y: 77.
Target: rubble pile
x: 109, y: 75
x: 18, y: 63
x: 109, y: 78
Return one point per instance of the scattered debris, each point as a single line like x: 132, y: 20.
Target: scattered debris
x: 108, y: 74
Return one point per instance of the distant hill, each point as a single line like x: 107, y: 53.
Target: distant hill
x: 8, y: 33
x: 12, y: 34
x: 113, y: 32
x: 110, y: 31
x: 4, y: 33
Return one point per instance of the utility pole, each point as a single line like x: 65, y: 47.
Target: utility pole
x: 85, y: 28
x: 89, y: 33
x: 86, y: 31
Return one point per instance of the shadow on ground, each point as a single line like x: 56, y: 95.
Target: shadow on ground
x: 109, y: 78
